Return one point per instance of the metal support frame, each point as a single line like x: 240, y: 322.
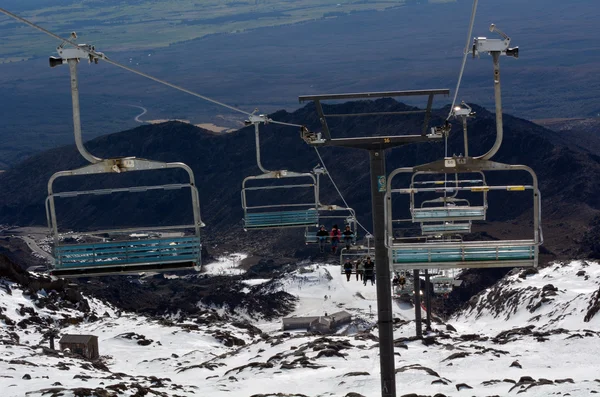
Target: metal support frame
x: 481, y: 187
x: 77, y: 114
x: 72, y: 56
x: 376, y: 147
x: 467, y: 165
x: 498, y: 101
x: 281, y: 174
x: 349, y: 218
x: 257, y: 140
x: 118, y: 166
x: 428, y: 300
x: 417, y: 284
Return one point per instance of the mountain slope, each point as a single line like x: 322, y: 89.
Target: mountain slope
x: 569, y: 178
x: 500, y: 344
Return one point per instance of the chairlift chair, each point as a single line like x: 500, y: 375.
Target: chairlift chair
x: 465, y: 254
x: 448, y: 208
x: 290, y: 215
x: 133, y: 250
x: 356, y: 252
x: 443, y: 282
x: 406, y: 290
x: 333, y: 213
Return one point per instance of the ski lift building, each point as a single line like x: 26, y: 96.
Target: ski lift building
x: 324, y: 324
x: 84, y: 345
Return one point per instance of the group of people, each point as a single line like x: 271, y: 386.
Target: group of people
x: 399, y: 280
x: 335, y: 236
x: 364, y: 269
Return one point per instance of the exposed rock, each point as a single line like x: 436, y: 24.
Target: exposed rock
x: 566, y: 380
x: 472, y: 337
x: 250, y: 365
x: 356, y: 374
x: 526, y: 379
x: 491, y: 382
x: 279, y: 395
x: 456, y: 355
x: 516, y: 364
x: 528, y: 272
x: 418, y: 368
x: 330, y: 353
x: 228, y: 339
x: 462, y: 386
x: 593, y: 307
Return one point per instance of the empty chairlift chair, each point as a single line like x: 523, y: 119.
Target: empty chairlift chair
x: 466, y: 254
x: 446, y: 210
x: 131, y: 250
x: 447, y: 226
x: 444, y: 281
x: 288, y: 214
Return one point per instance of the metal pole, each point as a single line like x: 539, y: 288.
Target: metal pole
x: 384, y: 288
x: 498, y: 99
x: 466, y: 137
x: 428, y: 300
x: 76, y: 114
x: 417, y: 284
x: 257, y: 140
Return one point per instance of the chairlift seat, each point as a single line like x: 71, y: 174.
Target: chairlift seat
x: 265, y: 220
x: 466, y: 254
x: 432, y: 229
x: 441, y: 214
x: 127, y: 256
x: 441, y: 289
x: 441, y: 280
x: 312, y: 238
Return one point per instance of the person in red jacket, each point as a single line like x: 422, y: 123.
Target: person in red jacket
x: 335, y: 235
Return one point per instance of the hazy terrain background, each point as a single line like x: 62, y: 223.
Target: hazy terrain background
x: 309, y: 51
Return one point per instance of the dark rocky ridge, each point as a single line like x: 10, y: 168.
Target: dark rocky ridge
x: 569, y: 177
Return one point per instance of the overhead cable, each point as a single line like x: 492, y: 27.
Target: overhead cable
x: 100, y: 55
x: 465, y: 55
x: 336, y: 188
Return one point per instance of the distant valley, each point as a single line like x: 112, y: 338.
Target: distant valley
x: 406, y: 48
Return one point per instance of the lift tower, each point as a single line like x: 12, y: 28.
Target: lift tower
x: 376, y: 146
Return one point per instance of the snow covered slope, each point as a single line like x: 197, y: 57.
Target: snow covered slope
x: 520, y: 336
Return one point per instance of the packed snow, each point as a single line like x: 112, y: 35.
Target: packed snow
x: 226, y: 265
x: 533, y: 333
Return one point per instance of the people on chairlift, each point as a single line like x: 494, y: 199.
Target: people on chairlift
x: 348, y: 234
x: 335, y: 238
x: 348, y: 269
x: 360, y: 270
x: 369, y: 271
x: 322, y: 235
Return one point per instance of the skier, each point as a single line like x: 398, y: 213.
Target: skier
x: 348, y: 269
x: 335, y: 238
x: 348, y: 235
x: 369, y: 271
x: 322, y: 237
